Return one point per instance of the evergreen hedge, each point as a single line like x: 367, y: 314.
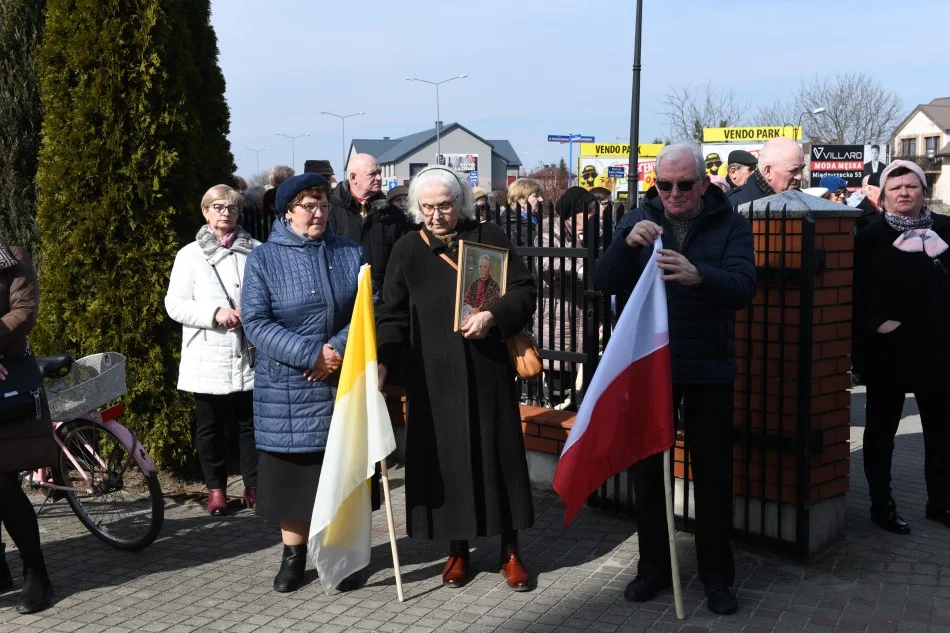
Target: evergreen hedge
x: 21, y: 29
x: 134, y: 133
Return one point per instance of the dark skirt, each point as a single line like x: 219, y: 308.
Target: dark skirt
x: 287, y: 485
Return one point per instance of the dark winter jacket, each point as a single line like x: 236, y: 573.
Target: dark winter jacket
x: 892, y: 285
x: 24, y: 444
x: 702, y: 317
x: 871, y: 213
x: 376, y: 233
x: 298, y: 296
x: 748, y: 192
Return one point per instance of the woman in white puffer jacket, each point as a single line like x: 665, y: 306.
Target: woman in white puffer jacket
x: 217, y: 361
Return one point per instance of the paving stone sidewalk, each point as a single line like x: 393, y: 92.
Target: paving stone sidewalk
x: 215, y: 574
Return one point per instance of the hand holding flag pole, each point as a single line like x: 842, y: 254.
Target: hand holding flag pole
x: 627, y: 413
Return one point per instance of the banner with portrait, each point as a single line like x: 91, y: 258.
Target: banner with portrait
x: 851, y: 162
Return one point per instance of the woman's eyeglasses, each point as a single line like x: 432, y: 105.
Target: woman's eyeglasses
x: 445, y: 208
x: 225, y: 209
x: 311, y: 207
x: 682, y: 185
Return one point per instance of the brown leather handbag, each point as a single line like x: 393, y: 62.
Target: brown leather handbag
x: 523, y: 352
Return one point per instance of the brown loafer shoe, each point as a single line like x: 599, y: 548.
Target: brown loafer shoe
x: 217, y: 502
x: 455, y: 572
x: 513, y: 571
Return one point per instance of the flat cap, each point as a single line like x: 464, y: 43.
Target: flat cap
x: 742, y: 157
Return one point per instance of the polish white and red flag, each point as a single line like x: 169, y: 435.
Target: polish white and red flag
x: 627, y: 412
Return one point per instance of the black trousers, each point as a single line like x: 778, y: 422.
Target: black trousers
x: 18, y: 517
x: 884, y: 409
x: 214, y: 414
x: 707, y: 420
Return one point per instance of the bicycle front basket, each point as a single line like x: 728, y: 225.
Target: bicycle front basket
x: 92, y: 381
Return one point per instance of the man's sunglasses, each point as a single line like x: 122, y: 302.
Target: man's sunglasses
x: 682, y: 185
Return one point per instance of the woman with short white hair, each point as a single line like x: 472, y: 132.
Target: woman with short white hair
x: 204, y: 295
x: 466, y: 471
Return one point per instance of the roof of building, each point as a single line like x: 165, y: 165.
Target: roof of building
x: 374, y: 147
x: 393, y: 150
x: 506, y: 151
x: 937, y: 111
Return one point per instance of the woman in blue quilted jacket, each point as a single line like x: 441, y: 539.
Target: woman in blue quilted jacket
x: 299, y: 290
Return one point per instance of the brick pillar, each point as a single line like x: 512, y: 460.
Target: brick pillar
x: 790, y: 469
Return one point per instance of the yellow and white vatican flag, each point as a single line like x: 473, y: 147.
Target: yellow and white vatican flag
x: 361, y: 434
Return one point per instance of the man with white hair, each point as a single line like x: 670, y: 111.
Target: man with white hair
x: 708, y: 263
x: 359, y: 211
x: 781, y: 166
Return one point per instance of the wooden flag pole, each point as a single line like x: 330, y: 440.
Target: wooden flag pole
x: 671, y: 530
x: 392, y: 528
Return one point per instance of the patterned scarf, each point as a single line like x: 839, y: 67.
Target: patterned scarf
x: 241, y: 242
x: 451, y: 242
x: 7, y: 260
x: 903, y: 223
x: 762, y: 183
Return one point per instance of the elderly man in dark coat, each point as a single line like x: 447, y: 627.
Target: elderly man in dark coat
x: 360, y: 212
x: 466, y: 471
x: 708, y: 259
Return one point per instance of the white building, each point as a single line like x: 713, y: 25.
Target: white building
x: 924, y: 137
x: 491, y: 165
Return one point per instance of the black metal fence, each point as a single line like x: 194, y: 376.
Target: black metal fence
x: 773, y: 440
x: 573, y: 325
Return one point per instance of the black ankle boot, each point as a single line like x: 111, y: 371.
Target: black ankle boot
x: 884, y: 515
x: 6, y: 579
x: 37, y: 591
x: 292, y: 566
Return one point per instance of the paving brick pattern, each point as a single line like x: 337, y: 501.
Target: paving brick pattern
x: 215, y: 574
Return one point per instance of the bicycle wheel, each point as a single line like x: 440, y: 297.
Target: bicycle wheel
x: 122, y: 505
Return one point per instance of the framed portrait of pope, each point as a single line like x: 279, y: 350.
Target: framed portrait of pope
x: 482, y: 279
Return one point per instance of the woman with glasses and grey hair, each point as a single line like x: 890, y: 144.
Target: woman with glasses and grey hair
x: 217, y: 363
x: 466, y: 471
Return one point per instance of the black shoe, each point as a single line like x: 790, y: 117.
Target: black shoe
x: 37, y: 592
x: 938, y: 513
x: 885, y: 517
x: 292, y: 566
x: 641, y: 589
x: 351, y: 582
x: 6, y: 579
x: 721, y: 600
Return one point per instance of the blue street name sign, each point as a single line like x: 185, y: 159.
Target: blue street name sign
x: 615, y: 172
x: 473, y: 178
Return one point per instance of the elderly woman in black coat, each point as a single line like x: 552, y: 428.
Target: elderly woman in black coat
x: 466, y: 471
x: 902, y: 309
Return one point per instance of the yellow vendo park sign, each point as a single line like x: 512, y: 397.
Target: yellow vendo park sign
x: 745, y: 134
x: 614, y: 150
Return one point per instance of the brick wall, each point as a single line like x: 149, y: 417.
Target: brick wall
x: 765, y: 348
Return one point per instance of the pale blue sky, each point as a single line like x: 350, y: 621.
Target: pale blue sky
x: 539, y: 67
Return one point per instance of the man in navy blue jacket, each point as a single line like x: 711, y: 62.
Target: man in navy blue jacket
x: 708, y: 264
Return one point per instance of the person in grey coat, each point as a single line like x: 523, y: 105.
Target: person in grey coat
x: 299, y: 291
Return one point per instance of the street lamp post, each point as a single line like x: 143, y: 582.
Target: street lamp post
x: 634, y: 159
x: 293, y: 147
x: 257, y: 154
x: 438, y: 115
x: 814, y: 112
x: 343, y: 119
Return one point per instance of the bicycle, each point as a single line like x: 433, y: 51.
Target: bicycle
x: 104, y: 473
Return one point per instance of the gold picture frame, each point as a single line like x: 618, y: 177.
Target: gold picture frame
x: 471, y: 296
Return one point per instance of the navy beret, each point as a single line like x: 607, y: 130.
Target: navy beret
x: 289, y: 189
